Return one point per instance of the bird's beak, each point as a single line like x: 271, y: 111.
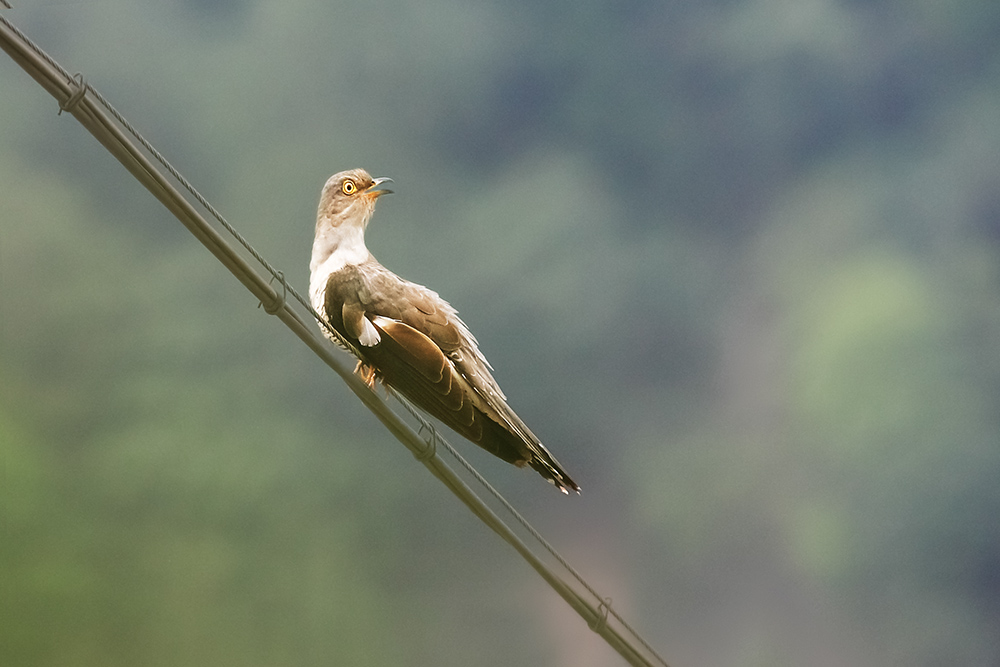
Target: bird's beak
x: 372, y: 192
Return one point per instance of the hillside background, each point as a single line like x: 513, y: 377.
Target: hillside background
x: 737, y: 262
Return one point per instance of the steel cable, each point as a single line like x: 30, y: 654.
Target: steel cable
x: 74, y: 95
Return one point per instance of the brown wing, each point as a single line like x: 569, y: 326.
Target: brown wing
x: 428, y: 354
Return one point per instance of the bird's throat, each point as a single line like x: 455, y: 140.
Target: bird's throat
x: 333, y: 249
x: 337, y: 247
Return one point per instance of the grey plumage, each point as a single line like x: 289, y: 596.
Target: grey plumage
x: 409, y: 337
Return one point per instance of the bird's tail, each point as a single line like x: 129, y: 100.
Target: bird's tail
x: 514, y: 442
x: 546, y: 465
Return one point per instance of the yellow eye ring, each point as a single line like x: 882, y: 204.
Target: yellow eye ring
x: 349, y: 187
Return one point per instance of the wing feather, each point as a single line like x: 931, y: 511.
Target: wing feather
x: 426, y: 352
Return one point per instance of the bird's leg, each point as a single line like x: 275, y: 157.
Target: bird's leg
x: 367, y: 373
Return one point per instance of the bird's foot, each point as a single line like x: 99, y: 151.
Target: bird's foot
x: 367, y: 373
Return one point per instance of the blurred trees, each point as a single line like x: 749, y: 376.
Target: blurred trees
x: 736, y: 262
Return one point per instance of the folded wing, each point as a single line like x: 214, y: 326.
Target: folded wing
x: 426, y: 352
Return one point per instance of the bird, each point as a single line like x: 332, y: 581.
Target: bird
x: 408, y: 337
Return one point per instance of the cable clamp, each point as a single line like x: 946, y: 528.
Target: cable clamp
x: 76, y: 96
x: 430, y: 441
x: 601, y: 621
x: 279, y: 299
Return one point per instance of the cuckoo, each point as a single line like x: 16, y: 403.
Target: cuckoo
x: 407, y: 336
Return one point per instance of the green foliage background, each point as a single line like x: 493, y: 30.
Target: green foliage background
x: 737, y: 263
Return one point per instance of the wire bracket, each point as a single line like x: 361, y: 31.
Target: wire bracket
x: 602, y: 615
x: 431, y: 450
x: 76, y: 96
x: 279, y: 298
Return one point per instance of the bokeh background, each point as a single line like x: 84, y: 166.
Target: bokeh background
x: 737, y: 262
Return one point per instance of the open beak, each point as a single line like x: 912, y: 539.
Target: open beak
x: 374, y: 193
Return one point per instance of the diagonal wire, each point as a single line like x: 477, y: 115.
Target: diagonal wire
x: 606, y: 602
x: 73, y: 94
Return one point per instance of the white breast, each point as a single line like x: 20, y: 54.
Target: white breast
x: 333, y: 249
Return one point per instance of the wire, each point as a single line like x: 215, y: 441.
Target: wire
x: 74, y: 95
x: 605, y: 608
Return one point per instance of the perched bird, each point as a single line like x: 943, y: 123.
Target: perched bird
x: 407, y: 336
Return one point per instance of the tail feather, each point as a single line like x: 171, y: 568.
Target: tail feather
x: 500, y: 440
x: 546, y: 466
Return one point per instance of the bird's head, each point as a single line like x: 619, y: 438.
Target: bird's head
x: 348, y: 198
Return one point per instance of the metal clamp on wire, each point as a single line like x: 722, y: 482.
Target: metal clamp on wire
x: 601, y: 621
x: 74, y: 99
x: 279, y: 299
x: 431, y: 443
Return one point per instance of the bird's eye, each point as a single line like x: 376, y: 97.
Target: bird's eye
x: 349, y: 187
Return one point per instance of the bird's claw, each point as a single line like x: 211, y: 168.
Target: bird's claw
x: 367, y: 373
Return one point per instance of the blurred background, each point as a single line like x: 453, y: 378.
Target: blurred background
x: 737, y: 262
